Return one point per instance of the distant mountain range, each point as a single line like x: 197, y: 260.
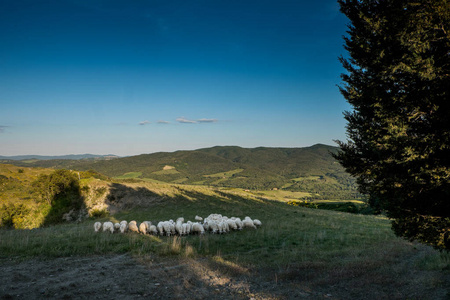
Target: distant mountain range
x: 67, y: 157
x: 310, y: 169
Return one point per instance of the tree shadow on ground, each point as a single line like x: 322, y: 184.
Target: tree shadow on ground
x: 62, y: 192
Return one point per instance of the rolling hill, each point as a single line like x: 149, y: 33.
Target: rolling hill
x: 310, y: 169
x: 65, y: 157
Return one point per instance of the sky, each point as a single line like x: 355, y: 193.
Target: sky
x: 143, y: 76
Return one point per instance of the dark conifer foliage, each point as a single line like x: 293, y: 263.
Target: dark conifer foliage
x: 398, y: 83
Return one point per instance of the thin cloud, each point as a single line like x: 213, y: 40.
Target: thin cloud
x: 186, y: 121
x: 2, y: 128
x: 144, y: 122
x: 163, y: 122
x: 207, y: 120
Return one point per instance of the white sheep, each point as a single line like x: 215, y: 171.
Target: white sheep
x: 172, y: 228
x: 143, y: 228
x: 232, y: 224
x: 97, y: 226
x: 167, y: 229
x: 189, y: 227
x: 179, y: 226
x: 248, y: 223
x: 183, y: 229
x: 108, y: 226
x: 123, y: 227
x: 257, y: 222
x: 198, y: 218
x: 213, y: 227
x: 198, y: 228
x: 239, y: 223
x: 186, y: 228
x: 206, y: 225
x: 152, y: 230
x: 160, y: 228
x: 132, y: 226
x: 116, y: 227
x: 123, y: 222
x: 220, y: 226
x: 227, y: 227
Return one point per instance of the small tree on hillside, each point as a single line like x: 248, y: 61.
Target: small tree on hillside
x: 60, y: 190
x: 398, y: 84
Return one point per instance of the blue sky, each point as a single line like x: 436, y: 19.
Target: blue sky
x: 142, y: 76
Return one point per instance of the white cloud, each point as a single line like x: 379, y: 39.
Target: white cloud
x: 188, y: 121
x: 163, y: 122
x: 184, y: 120
x: 207, y: 120
x: 144, y: 122
x: 2, y: 128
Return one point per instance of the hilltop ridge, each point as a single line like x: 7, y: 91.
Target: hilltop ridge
x: 52, y: 157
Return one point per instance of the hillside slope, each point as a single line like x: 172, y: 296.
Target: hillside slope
x: 310, y: 169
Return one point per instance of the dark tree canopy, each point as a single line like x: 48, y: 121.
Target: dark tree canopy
x: 398, y: 83
x: 60, y: 190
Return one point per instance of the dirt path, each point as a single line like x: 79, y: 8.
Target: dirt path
x: 125, y: 277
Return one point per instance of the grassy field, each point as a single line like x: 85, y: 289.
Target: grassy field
x: 129, y: 175
x: 228, y: 174
x: 314, y: 252
x: 316, y: 248
x: 282, y: 195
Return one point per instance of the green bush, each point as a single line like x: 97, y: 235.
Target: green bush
x: 61, y: 190
x: 99, y: 213
x: 14, y: 215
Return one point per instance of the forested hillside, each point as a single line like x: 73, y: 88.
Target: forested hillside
x: 310, y: 169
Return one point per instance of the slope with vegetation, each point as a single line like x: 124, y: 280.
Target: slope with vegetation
x: 311, y: 170
x: 297, y: 250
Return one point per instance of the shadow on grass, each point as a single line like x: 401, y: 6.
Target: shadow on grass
x: 68, y: 205
x: 182, y: 201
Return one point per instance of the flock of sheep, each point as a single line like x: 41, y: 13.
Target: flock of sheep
x: 214, y: 223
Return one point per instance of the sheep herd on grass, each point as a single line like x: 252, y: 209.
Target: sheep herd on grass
x: 214, y: 223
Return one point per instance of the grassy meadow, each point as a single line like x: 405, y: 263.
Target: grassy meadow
x: 295, y: 244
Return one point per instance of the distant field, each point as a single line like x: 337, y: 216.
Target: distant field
x: 313, y: 177
x: 30, y: 161
x: 129, y: 175
x: 282, y: 195
x: 181, y: 180
x: 339, y: 201
x: 228, y: 174
x: 166, y: 172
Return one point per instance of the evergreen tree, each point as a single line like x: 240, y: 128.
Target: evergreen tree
x: 398, y: 83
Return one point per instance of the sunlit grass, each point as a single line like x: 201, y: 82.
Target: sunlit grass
x: 293, y: 243
x: 224, y: 174
x: 289, y: 235
x: 129, y: 175
x: 166, y: 172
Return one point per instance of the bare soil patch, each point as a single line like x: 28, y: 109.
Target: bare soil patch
x: 126, y: 277
x: 123, y: 277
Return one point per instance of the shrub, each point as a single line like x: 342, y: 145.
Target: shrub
x: 14, y: 215
x: 60, y: 190
x: 99, y: 213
